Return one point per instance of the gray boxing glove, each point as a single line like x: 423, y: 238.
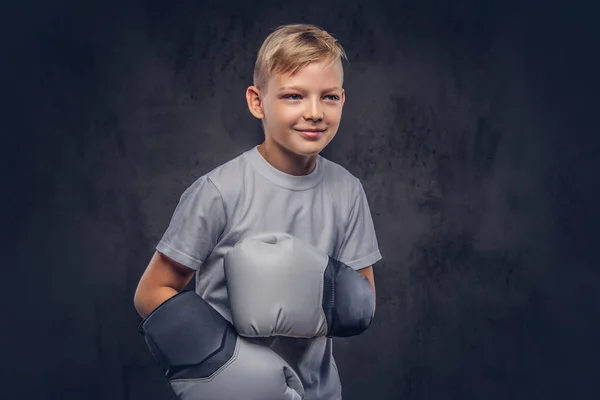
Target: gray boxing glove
x: 279, y: 285
x: 204, y: 359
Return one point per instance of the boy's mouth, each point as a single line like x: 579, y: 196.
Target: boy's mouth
x: 311, y: 134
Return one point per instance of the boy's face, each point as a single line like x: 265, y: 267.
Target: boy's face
x: 313, y: 98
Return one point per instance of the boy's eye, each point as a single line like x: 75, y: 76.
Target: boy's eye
x: 297, y: 96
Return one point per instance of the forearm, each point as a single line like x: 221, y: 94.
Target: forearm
x: 368, y: 273
x: 146, y: 301
x: 163, y: 279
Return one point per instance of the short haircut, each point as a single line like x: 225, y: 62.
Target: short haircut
x: 292, y: 47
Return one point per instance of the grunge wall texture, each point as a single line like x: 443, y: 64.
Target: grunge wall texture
x: 472, y: 125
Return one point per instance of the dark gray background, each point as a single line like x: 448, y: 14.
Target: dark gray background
x: 471, y: 124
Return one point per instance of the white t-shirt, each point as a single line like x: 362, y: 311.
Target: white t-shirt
x: 327, y: 208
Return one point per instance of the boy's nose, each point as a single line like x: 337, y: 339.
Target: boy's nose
x: 314, y: 112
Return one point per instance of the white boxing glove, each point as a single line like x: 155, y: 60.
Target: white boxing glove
x: 203, y: 358
x: 279, y: 285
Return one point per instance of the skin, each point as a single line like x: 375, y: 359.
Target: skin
x: 316, y: 102
x: 162, y: 279
x: 285, y: 111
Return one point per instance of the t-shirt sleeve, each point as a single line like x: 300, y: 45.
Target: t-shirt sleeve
x: 196, y: 225
x: 359, y: 248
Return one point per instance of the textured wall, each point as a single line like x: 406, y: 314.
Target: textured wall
x: 470, y: 124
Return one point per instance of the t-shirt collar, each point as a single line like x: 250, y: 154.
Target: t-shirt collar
x: 280, y: 178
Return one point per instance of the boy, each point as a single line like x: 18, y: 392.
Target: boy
x: 284, y: 185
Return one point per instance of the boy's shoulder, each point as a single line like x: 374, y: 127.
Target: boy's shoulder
x: 222, y: 177
x: 228, y: 169
x: 337, y: 175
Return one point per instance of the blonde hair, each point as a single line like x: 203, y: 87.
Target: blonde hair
x: 292, y: 47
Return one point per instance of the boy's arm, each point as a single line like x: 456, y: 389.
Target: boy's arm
x: 367, y: 272
x: 163, y: 279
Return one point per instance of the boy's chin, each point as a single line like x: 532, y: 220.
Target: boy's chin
x: 301, y: 147
x: 308, y: 149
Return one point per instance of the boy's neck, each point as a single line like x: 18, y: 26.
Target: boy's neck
x: 286, y: 161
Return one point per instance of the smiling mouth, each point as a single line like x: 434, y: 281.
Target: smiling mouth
x: 311, y: 135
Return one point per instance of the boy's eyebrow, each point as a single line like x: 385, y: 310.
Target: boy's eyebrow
x: 333, y: 88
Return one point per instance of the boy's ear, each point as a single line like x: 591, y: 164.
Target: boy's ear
x: 255, y: 104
